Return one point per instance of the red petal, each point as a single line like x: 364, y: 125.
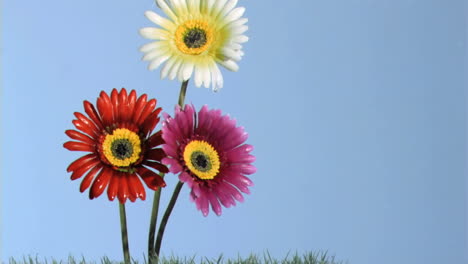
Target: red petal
x: 136, y: 187
x: 150, y: 122
x: 78, y: 146
x: 113, y: 188
x: 156, y: 154
x: 104, y: 106
x: 86, y: 121
x: 131, y: 193
x: 84, y: 168
x: 100, y: 183
x: 156, y: 165
x: 124, y: 112
x: 92, y: 113
x: 139, y: 106
x: 81, y: 161
x: 149, y: 107
x: 132, y: 98
x: 89, y: 178
x: 85, y: 128
x: 79, y: 136
x: 123, y: 188
x: 151, y: 179
x: 155, y: 140
x: 115, y: 104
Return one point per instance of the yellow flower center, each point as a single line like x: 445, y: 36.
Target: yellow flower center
x: 193, y: 37
x: 202, y: 159
x: 122, y: 147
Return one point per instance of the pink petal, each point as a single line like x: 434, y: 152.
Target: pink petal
x: 203, y: 205
x: 214, y: 203
x: 183, y: 123
x: 197, y: 190
x: 226, y: 125
x: 169, y: 137
x: 174, y: 165
x: 170, y: 151
x: 240, y: 150
x: 202, y: 116
x: 240, y: 183
x: 226, y: 200
x: 239, y: 156
x: 242, y: 168
x: 186, y: 178
x: 235, y: 138
x: 233, y: 191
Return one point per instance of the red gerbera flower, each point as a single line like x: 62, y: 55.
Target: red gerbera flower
x: 122, y: 148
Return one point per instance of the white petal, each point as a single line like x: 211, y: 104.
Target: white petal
x: 217, y: 7
x: 206, y: 77
x: 239, y: 30
x: 230, y: 65
x: 187, y: 71
x: 155, y: 53
x: 179, y: 6
x: 151, y: 55
x: 157, y: 4
x: 207, y: 6
x: 240, y: 39
x: 180, y: 73
x: 216, y: 78
x: 227, y: 8
x: 194, y: 6
x: 198, y: 75
x: 184, y: 6
x: 155, y: 63
x: 239, y: 22
x: 154, y: 33
x: 152, y: 45
x: 234, y: 15
x: 159, y: 20
x: 165, y: 69
x: 167, y: 10
x: 175, y: 69
x: 234, y: 46
x: 232, y: 54
x: 236, y: 23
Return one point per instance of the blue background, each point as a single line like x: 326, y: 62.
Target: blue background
x: 357, y: 110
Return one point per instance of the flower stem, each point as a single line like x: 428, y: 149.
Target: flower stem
x: 175, y: 194
x: 152, y: 229
x: 183, y: 90
x: 166, y: 216
x: 123, y: 227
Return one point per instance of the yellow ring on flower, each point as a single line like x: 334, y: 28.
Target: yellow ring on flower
x: 189, y: 27
x: 122, y: 147
x: 202, y: 159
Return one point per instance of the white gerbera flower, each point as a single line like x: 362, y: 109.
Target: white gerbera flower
x: 197, y: 34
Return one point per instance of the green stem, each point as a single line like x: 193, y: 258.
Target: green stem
x: 166, y: 216
x: 175, y: 194
x: 123, y: 227
x: 153, y: 221
x: 183, y: 91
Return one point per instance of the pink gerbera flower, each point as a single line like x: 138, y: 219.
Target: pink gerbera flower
x: 208, y: 151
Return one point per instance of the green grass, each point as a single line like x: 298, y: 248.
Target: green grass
x: 307, y: 258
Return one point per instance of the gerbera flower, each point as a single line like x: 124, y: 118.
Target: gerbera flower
x: 207, y: 150
x: 197, y: 35
x: 122, y: 148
